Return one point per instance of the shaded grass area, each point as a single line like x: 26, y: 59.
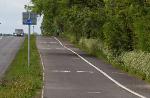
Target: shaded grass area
x: 21, y: 81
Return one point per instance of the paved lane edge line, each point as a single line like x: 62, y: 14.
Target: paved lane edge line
x: 42, y: 95
x: 104, y: 73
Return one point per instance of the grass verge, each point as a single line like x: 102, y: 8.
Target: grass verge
x: 21, y: 81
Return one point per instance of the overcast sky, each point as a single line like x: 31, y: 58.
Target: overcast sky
x: 11, y: 16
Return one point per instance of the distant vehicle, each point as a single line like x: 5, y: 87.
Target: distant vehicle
x: 1, y: 34
x: 19, y: 32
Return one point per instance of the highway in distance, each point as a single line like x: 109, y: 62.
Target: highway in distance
x: 9, y: 46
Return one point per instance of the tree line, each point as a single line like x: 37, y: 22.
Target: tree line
x: 121, y: 25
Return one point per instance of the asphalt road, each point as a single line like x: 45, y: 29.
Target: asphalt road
x: 71, y: 73
x: 8, y: 49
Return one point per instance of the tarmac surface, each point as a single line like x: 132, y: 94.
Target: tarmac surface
x: 9, y: 46
x: 72, y: 73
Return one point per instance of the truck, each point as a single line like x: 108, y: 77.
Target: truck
x: 19, y: 32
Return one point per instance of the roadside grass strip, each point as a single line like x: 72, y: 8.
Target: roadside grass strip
x: 21, y: 81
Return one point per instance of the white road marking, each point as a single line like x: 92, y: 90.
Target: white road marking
x: 91, y: 72
x: 94, y: 92
x: 60, y: 71
x: 104, y: 73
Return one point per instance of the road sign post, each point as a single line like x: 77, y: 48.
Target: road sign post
x: 29, y: 19
x: 29, y: 27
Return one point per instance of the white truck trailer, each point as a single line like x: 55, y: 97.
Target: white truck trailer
x: 19, y: 32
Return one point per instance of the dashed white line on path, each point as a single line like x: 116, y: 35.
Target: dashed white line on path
x: 46, y: 48
x: 60, y: 71
x: 104, y: 73
x: 91, y: 72
x: 94, y: 92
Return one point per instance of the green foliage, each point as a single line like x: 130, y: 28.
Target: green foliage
x: 118, y: 25
x: 118, y: 29
x: 115, y: 22
x: 81, y: 18
x: 142, y: 29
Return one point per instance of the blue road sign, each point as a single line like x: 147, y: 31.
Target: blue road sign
x: 29, y: 22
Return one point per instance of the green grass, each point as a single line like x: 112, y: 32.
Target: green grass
x: 21, y: 81
x: 138, y: 63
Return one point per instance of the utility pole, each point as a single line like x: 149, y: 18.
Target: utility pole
x: 29, y: 27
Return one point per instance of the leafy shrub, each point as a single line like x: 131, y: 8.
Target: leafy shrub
x: 138, y: 61
x: 91, y: 45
